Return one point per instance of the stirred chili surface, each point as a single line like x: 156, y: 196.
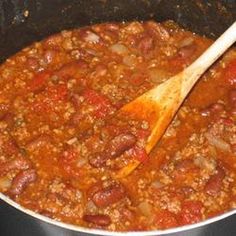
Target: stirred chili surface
x: 61, y: 143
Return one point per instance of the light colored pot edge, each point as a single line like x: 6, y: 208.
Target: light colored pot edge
x: 111, y: 233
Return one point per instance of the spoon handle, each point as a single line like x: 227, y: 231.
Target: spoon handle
x: 195, y: 70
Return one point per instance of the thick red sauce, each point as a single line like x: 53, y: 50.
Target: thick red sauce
x: 61, y: 143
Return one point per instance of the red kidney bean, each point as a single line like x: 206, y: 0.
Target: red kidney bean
x: 93, y: 189
x: 21, y: 181
x: 119, y: 144
x: 18, y: 163
x: 114, y: 148
x: 102, y: 220
x: 157, y: 30
x: 108, y: 195
x: 232, y: 97
x: 145, y: 45
x: 213, y: 185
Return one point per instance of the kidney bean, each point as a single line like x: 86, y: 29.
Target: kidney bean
x: 108, y: 195
x: 18, y: 163
x: 21, y: 181
x: 145, y: 45
x: 94, y: 188
x: 191, y: 212
x: 102, y: 220
x: 119, y: 144
x: 213, y: 185
x: 157, y: 30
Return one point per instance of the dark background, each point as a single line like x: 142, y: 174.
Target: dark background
x: 17, y: 30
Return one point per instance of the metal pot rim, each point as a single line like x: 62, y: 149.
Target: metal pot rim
x: 112, y: 233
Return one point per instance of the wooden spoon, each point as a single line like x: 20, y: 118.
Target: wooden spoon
x: 159, y: 105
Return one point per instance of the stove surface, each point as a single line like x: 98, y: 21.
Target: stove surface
x: 16, y: 223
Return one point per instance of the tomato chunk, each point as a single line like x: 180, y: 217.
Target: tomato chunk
x: 101, y: 104
x: 39, y: 81
x: 191, y: 212
x: 165, y: 219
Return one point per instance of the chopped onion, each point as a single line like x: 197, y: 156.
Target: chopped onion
x: 130, y: 60
x: 145, y: 208
x: 186, y: 42
x: 81, y: 162
x: 157, y: 184
x: 205, y: 163
x: 158, y: 76
x: 119, y: 48
x: 217, y: 142
x: 5, y: 183
x: 91, y: 207
x: 92, y: 37
x: 72, y: 141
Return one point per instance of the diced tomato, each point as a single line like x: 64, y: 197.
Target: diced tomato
x: 47, y: 101
x: 165, y: 219
x: 138, y: 153
x: 57, y: 92
x: 230, y: 73
x: 191, y: 212
x: 39, y: 81
x: 101, y: 104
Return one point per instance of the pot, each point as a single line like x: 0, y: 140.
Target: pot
x: 23, y: 22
